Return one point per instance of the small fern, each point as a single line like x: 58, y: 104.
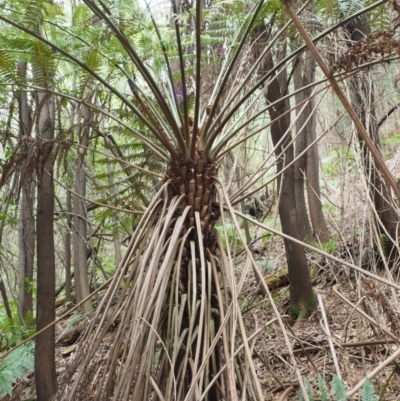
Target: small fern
x: 339, y: 389
x: 385, y: 242
x: 322, y: 388
x: 367, y: 392
x: 16, y: 366
x: 309, y: 389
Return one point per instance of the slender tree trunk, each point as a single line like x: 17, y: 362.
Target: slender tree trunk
x: 300, y: 165
x: 301, y: 291
x: 68, y: 282
x: 80, y: 215
x: 309, y: 164
x: 114, y: 219
x: 4, y: 210
x: 45, y: 369
x: 5, y: 300
x: 26, y: 233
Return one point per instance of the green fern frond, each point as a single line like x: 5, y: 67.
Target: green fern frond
x: 339, y: 389
x: 322, y: 388
x: 348, y: 7
x: 15, y: 366
x: 385, y: 242
x: 367, y: 391
x: 309, y: 389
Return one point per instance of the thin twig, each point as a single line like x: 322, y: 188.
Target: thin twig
x: 341, y: 345
x: 286, y: 393
x: 328, y: 332
x: 319, y: 251
x: 372, y: 374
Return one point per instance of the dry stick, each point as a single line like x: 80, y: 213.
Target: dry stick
x: 373, y: 373
x: 341, y: 345
x: 286, y: 393
x: 312, y: 248
x: 379, y: 162
x: 369, y: 318
x: 328, y: 332
x: 234, y: 355
x: 265, y: 291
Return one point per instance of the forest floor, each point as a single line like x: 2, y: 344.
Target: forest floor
x: 357, y: 345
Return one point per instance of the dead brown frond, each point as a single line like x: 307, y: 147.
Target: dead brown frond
x: 373, y: 292
x: 30, y: 156
x: 379, y: 45
x: 174, y: 331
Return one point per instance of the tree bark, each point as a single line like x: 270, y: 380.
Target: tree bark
x: 300, y: 165
x: 68, y: 281
x: 114, y: 219
x: 45, y: 368
x: 5, y: 300
x: 304, y: 75
x: 26, y: 233
x: 80, y: 229
x: 302, y: 297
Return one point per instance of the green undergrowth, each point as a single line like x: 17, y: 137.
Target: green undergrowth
x: 338, y: 391
x: 12, y: 333
x: 332, y: 163
x: 332, y: 246
x: 389, y: 145
x: 15, y: 366
x: 231, y: 233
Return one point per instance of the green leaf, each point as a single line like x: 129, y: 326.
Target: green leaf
x: 367, y: 391
x: 339, y: 389
x: 309, y: 389
x: 322, y: 388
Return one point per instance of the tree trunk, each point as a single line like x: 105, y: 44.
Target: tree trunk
x: 68, y: 282
x: 309, y: 164
x: 26, y: 233
x: 5, y: 300
x: 301, y: 292
x: 300, y: 165
x: 45, y: 368
x: 114, y: 219
x: 80, y: 229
